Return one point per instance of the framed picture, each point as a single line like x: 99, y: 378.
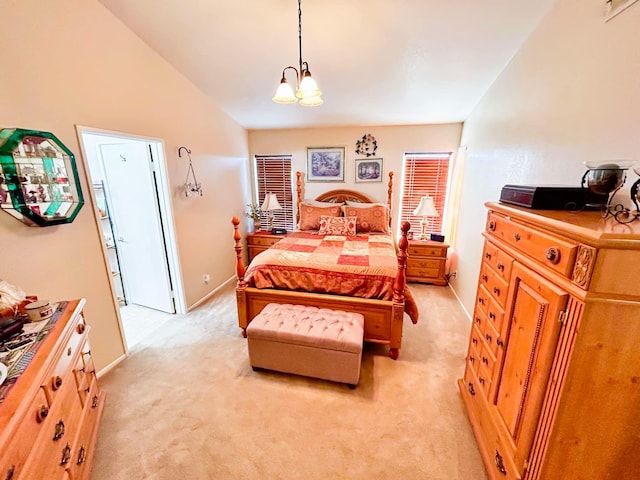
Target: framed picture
x: 369, y: 170
x: 325, y: 164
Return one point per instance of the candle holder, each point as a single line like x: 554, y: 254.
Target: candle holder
x: 606, y: 178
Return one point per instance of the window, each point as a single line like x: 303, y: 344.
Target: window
x: 424, y: 173
x: 273, y: 175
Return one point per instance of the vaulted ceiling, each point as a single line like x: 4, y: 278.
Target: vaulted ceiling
x: 377, y: 62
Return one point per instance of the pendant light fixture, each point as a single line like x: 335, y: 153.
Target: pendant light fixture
x: 307, y: 91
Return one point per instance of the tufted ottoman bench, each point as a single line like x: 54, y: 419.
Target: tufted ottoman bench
x: 310, y: 341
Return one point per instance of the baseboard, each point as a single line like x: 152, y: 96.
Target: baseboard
x: 460, y: 302
x: 111, y: 366
x: 212, y: 293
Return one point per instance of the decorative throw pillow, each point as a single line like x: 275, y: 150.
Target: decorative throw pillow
x: 310, y: 215
x: 371, y: 219
x: 337, y: 225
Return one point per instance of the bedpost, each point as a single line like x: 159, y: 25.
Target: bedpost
x: 240, y: 270
x: 399, y: 286
x: 389, y: 192
x: 241, y: 299
x: 299, y: 195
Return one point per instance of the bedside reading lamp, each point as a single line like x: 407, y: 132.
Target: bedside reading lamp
x: 426, y: 208
x: 269, y: 205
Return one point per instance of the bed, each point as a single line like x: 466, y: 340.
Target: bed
x: 362, y: 273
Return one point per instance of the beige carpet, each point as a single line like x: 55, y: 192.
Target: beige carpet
x: 186, y: 405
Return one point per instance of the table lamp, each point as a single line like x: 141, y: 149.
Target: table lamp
x: 426, y: 208
x: 269, y: 205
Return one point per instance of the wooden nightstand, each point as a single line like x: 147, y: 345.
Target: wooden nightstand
x: 259, y: 241
x: 427, y: 262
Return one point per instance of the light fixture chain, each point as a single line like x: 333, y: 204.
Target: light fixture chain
x: 300, y: 34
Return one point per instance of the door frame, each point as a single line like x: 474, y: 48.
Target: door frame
x: 164, y: 201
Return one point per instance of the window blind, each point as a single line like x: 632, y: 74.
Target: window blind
x: 424, y: 173
x: 273, y: 175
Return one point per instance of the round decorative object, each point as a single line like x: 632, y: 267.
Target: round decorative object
x: 367, y: 145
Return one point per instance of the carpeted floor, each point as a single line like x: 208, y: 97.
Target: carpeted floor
x: 187, y: 405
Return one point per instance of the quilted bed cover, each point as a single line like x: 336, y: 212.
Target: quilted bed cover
x: 363, y: 265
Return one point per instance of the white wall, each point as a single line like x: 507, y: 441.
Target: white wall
x: 570, y: 95
x: 393, y: 142
x: 68, y: 63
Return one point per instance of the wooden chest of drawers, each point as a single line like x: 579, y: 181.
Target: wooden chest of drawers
x: 553, y: 362
x: 50, y: 416
x: 427, y: 262
x: 259, y: 241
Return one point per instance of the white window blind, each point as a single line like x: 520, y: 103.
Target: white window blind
x: 424, y: 173
x: 273, y: 175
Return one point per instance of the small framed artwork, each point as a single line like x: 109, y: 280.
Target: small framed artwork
x: 325, y: 164
x: 369, y: 170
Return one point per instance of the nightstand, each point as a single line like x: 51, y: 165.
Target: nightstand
x: 259, y: 241
x: 427, y: 262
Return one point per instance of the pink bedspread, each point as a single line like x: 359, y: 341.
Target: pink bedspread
x: 360, y: 266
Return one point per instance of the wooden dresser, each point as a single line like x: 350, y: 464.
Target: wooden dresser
x: 552, y: 377
x: 50, y: 416
x: 259, y: 241
x: 427, y: 262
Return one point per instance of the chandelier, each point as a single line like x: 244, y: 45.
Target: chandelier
x: 307, y: 91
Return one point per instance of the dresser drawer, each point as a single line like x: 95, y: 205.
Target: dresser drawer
x: 553, y: 252
x: 497, y: 259
x: 14, y: 456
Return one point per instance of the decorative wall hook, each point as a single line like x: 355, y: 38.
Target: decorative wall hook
x: 190, y: 188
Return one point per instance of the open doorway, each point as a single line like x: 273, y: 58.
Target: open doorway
x: 130, y: 192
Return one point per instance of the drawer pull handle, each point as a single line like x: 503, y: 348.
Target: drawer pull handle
x: 94, y: 401
x: 56, y: 382
x: 496, y: 290
x: 478, y: 320
x: 474, y: 340
x: 553, y: 255
x: 488, y: 337
x: 517, y: 237
x: 10, y: 473
x: 82, y: 455
x: 485, y: 278
x: 492, y: 315
x: 66, y: 455
x: 58, y: 432
x: 69, y: 352
x: 472, y: 390
x: 80, y: 328
x: 487, y: 255
x: 492, y: 225
x: 481, y: 380
x: 500, y: 463
x: 499, y: 342
x: 472, y: 359
x: 43, y: 411
x: 485, y: 360
x: 481, y: 300
x: 500, y: 266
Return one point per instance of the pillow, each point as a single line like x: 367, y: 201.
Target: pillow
x: 310, y: 215
x: 316, y: 203
x: 370, y: 219
x: 363, y: 205
x: 337, y: 225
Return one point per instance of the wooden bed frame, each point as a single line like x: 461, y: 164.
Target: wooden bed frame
x: 383, y: 318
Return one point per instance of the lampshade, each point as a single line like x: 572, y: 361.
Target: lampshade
x: 270, y: 202
x: 426, y: 208
x: 284, y: 93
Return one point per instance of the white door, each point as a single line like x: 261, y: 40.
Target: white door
x: 133, y: 202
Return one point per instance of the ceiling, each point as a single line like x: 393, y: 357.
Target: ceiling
x: 377, y: 62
